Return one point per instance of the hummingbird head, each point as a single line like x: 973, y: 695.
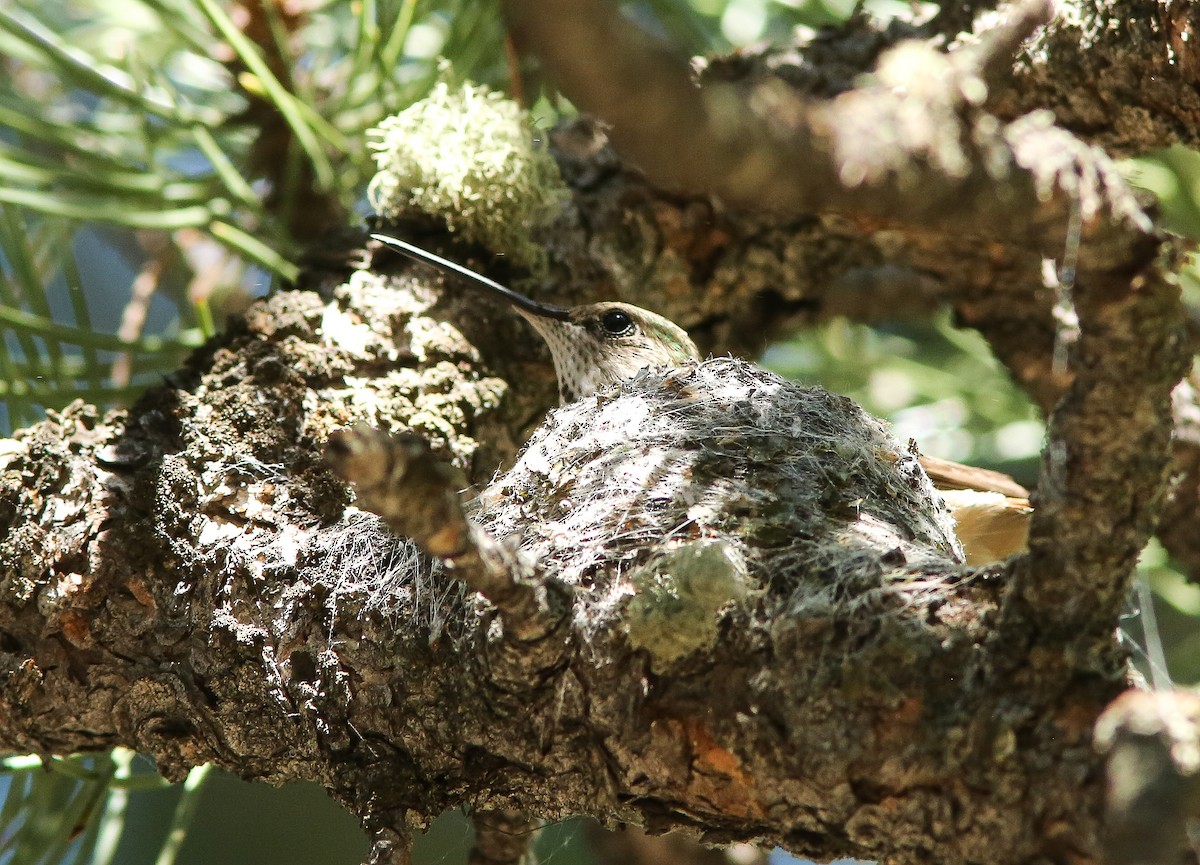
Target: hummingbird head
x: 593, y: 344
x: 601, y: 343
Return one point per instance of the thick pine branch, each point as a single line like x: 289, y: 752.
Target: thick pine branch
x: 181, y: 578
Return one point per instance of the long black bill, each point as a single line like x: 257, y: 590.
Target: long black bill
x: 520, y: 301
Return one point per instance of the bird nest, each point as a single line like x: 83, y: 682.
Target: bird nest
x: 679, y: 493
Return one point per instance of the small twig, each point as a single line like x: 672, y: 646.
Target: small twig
x: 631, y: 845
x: 390, y: 847
x: 501, y: 837
x: 399, y: 479
x: 145, y: 285
x: 995, y: 50
x: 512, y: 59
x: 185, y: 812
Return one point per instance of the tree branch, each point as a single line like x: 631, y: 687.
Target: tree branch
x: 205, y: 607
x: 764, y: 147
x: 1121, y: 74
x: 1104, y: 469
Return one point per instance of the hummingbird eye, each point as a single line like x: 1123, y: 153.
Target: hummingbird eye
x: 617, y: 323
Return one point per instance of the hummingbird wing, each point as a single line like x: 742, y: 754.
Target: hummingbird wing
x: 990, y: 509
x: 948, y: 475
x: 991, y: 526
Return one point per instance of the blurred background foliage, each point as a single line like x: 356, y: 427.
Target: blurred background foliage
x: 163, y: 162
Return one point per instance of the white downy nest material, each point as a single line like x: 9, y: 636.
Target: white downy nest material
x: 671, y: 496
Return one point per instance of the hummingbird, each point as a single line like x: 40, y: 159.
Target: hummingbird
x: 595, y: 344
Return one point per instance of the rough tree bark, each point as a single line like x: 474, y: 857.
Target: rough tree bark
x: 182, y: 578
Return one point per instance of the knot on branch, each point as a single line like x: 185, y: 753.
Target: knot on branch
x: 1152, y: 745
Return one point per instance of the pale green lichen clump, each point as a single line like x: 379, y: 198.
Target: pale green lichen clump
x: 678, y: 596
x: 468, y: 156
